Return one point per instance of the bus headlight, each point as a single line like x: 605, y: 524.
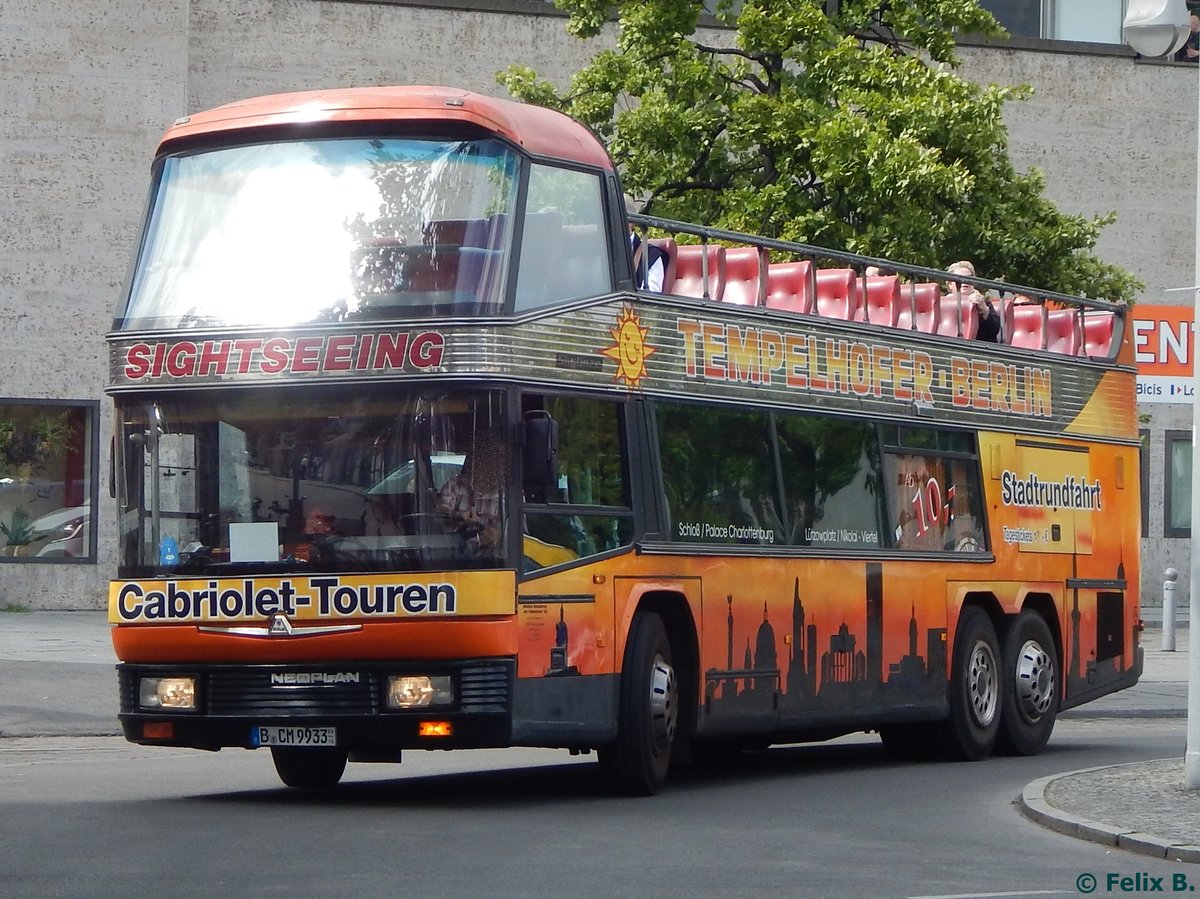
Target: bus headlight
x: 417, y: 691
x: 167, y: 693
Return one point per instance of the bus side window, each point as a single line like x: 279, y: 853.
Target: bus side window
x: 586, y: 509
x: 564, y: 253
x: 935, y: 501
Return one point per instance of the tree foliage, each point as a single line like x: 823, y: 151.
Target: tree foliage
x: 839, y: 124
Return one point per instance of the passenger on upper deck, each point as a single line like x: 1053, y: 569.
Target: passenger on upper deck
x: 989, y: 320
x: 650, y: 268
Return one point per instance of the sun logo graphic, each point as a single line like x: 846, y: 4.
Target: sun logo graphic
x: 629, y: 349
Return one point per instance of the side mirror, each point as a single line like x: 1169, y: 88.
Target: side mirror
x: 540, y: 455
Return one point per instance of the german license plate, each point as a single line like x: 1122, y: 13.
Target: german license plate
x: 294, y: 736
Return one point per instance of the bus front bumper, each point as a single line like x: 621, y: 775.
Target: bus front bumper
x: 344, y: 705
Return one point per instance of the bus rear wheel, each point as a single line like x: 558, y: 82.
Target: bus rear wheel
x: 636, y: 762
x: 1032, y: 684
x: 309, y: 769
x: 975, y: 689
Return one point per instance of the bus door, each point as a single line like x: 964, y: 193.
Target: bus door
x: 1059, y: 501
x: 1053, y: 494
x: 193, y: 482
x: 168, y: 517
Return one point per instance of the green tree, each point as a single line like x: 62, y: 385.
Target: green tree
x: 839, y: 124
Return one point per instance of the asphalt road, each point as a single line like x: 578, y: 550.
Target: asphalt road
x: 82, y: 814
x: 98, y: 817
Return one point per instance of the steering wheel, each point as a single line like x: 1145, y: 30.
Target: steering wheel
x: 469, y: 529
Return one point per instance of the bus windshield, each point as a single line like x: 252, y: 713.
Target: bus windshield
x: 289, y: 482
x: 325, y: 230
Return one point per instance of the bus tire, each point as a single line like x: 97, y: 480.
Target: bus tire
x: 636, y: 762
x: 975, y: 689
x: 309, y: 769
x: 1031, y: 693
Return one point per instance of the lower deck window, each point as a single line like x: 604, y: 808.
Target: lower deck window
x: 758, y: 478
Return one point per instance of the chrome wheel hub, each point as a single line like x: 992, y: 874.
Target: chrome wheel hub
x: 664, y: 704
x: 1033, y: 681
x: 983, y: 683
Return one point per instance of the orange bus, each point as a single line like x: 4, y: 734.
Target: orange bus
x: 405, y: 460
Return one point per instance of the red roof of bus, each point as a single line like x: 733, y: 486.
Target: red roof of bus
x: 541, y: 131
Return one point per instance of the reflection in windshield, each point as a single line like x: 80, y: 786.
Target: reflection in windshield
x: 307, y: 231
x: 337, y: 482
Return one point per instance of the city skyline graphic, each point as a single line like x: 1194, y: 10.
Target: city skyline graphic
x: 829, y: 665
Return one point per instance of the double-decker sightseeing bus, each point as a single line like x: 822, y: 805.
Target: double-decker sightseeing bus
x: 405, y: 460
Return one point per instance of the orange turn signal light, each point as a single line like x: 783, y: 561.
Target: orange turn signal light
x: 158, y: 730
x: 435, y: 729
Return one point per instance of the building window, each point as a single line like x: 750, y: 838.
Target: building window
x: 1090, y: 21
x: 1021, y: 18
x: 47, y: 480
x: 1177, y: 507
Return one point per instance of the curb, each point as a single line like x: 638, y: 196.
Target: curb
x: 1035, y: 807
x: 1083, y: 713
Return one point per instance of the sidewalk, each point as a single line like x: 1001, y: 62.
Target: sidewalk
x: 57, y: 675
x: 1142, y: 806
x: 57, y: 678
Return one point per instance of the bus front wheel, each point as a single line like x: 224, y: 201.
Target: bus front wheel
x: 636, y: 762
x: 975, y: 689
x: 1032, y: 687
x: 309, y: 769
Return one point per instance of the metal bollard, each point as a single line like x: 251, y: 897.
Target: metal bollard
x: 1168, y: 624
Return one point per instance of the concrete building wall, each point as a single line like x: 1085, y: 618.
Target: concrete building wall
x: 86, y: 90
x: 242, y: 48
x: 1110, y: 134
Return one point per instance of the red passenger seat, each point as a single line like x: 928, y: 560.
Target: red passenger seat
x: 1062, y: 331
x: 788, y: 286
x: 1098, y: 330
x: 837, y: 293
x: 920, y: 307
x: 883, y: 301
x: 1028, y: 322
x: 742, y: 267
x: 449, y: 231
x: 689, y: 272
x: 434, y: 269
x: 948, y: 321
